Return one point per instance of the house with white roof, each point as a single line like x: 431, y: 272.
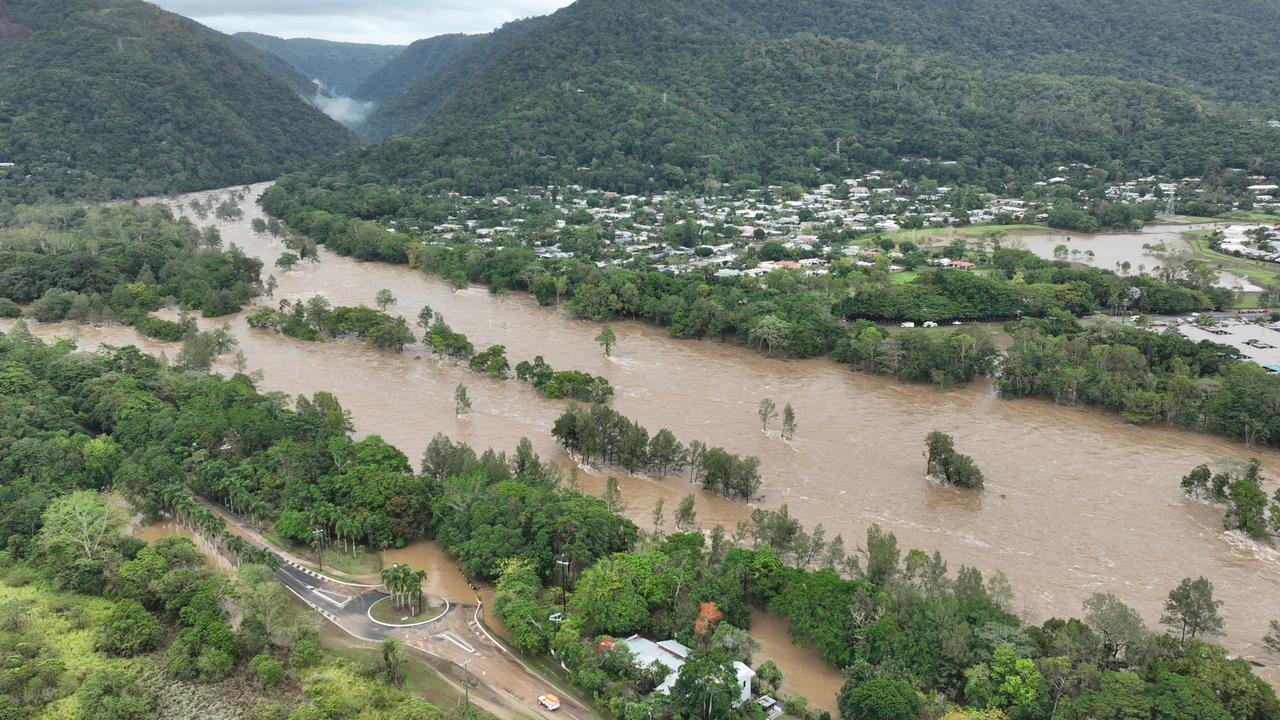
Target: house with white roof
x: 671, y: 655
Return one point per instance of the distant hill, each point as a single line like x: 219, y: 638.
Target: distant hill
x: 655, y: 93
x: 418, y: 60
x: 342, y: 67
x: 428, y: 72
x: 275, y: 66
x: 117, y: 98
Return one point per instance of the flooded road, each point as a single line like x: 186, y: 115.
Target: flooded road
x: 1077, y: 501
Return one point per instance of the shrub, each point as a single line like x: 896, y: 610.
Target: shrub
x: 128, y: 630
x: 305, y: 651
x: 878, y: 700
x: 269, y: 671
x: 114, y: 694
x: 160, y: 329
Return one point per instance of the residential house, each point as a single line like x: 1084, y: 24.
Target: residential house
x: 671, y: 655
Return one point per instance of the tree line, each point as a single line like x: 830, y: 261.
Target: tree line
x: 118, y: 263
x: 1237, y: 486
x: 1149, y: 377
x: 599, y: 433
x: 914, y: 639
x: 314, y: 319
x: 558, y: 384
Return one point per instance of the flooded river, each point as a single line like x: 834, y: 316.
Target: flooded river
x: 1077, y: 502
x: 152, y: 532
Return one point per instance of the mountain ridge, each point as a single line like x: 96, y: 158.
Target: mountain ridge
x: 341, y: 67
x: 118, y: 98
x: 651, y: 94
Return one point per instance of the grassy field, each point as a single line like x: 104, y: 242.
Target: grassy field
x: 336, y: 561
x: 903, y: 277
x: 1254, y: 216
x: 948, y: 233
x: 420, y: 677
x: 1249, y: 301
x: 384, y: 611
x: 1259, y: 272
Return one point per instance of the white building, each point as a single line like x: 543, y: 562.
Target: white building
x: 671, y: 655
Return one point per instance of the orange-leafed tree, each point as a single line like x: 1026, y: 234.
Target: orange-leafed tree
x: 708, y: 616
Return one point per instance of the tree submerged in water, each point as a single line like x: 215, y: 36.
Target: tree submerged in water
x: 952, y: 467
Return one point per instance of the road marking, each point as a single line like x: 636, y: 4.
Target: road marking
x: 326, y: 593
x: 451, y: 637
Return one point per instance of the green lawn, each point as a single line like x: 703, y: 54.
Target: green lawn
x: 335, y: 561
x: 1254, y: 216
x: 1259, y: 272
x: 383, y: 611
x: 420, y: 676
x: 1249, y: 301
x: 942, y: 233
x: 903, y: 277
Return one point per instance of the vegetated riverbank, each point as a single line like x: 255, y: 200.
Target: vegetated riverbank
x: 1079, y: 486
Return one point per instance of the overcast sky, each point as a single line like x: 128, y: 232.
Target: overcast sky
x: 396, y: 22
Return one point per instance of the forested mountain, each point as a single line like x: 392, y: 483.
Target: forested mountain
x: 663, y: 92
x: 117, y: 98
x: 273, y: 65
x: 428, y: 72
x: 342, y: 67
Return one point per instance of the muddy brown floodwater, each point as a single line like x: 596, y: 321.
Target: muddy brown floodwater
x: 1076, y: 501
x: 152, y: 532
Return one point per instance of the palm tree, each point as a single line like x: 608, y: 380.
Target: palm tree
x: 393, y: 578
x: 415, y: 579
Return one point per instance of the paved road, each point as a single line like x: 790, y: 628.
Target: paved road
x: 507, y: 685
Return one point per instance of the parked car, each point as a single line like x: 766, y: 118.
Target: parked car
x: 549, y: 701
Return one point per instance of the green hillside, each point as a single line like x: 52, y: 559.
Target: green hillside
x: 659, y: 93
x: 117, y: 98
x: 342, y: 67
x: 428, y: 72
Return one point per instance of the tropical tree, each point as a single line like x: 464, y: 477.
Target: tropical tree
x: 395, y: 580
x: 426, y: 316
x: 879, y: 699
x: 1191, y: 609
x: 81, y: 521
x: 607, y: 339
x: 1119, y: 627
x: 286, y: 261
x: 384, y: 299
x: 686, y: 515
x: 767, y: 411
x: 461, y: 400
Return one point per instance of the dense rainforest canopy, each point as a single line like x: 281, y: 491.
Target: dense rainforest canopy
x: 340, y: 66
x: 662, y: 93
x: 428, y: 72
x: 117, y: 98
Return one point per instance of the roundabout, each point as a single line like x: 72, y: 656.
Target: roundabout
x: 382, y: 612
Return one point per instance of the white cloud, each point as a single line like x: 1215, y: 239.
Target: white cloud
x: 373, y: 21
x: 348, y: 111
